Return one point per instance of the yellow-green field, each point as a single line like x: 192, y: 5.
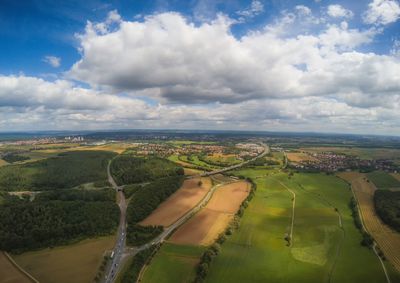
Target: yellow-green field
x: 76, y: 263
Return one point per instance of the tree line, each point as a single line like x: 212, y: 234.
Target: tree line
x: 129, y: 169
x: 55, y: 219
x: 144, y: 202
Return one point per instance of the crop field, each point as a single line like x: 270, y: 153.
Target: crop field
x: 76, y: 263
x: 2, y: 162
x: 175, y: 158
x: 206, y: 225
x: 191, y: 172
x: 9, y: 273
x: 321, y: 250
x: 388, y: 240
x: 383, y: 180
x: 173, y: 263
x: 397, y: 176
x: 364, y: 153
x: 299, y: 157
x: 179, y: 203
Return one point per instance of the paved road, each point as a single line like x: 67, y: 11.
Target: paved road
x: 121, y: 252
x: 119, y: 247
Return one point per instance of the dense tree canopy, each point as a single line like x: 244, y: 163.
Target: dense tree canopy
x: 387, y: 205
x: 128, y: 169
x: 66, y: 170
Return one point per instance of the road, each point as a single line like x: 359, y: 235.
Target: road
x: 265, y: 152
x: 121, y: 252
x: 120, y: 244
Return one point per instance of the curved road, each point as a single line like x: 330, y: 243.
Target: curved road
x: 121, y: 252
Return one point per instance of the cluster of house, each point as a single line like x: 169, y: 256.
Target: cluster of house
x: 165, y: 149
x: 332, y: 162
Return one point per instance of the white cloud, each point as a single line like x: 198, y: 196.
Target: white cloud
x: 256, y: 8
x: 338, y: 11
x: 382, y: 12
x: 303, y: 10
x: 53, y: 61
x: 201, y: 76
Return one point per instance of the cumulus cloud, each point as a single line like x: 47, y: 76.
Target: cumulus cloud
x: 338, y: 11
x: 199, y: 75
x: 382, y: 12
x: 53, y: 61
x: 179, y: 62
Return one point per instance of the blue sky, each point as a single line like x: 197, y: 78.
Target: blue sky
x: 58, y: 44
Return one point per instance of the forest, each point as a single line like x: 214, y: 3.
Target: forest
x: 56, y: 218
x: 145, y: 200
x: 387, y: 205
x: 128, y: 169
x: 66, y: 170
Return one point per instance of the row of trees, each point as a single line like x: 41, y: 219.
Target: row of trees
x: 12, y: 157
x: 209, y: 255
x: 387, y: 205
x: 48, y: 221
x: 367, y: 240
x: 146, y: 199
x: 128, y: 169
x: 139, y: 260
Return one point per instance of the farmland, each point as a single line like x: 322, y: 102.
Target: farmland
x: 321, y: 250
x: 173, y: 263
x: 299, y: 156
x: 388, y: 240
x: 11, y: 274
x: 76, y: 263
x: 383, y: 180
x: 206, y: 225
x: 184, y: 199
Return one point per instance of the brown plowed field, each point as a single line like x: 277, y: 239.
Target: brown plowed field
x: 179, y: 203
x: 387, y: 239
x: 299, y: 157
x: 9, y: 273
x: 205, y: 226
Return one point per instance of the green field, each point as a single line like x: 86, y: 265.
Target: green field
x: 173, y: 263
x: 383, y: 180
x: 321, y: 250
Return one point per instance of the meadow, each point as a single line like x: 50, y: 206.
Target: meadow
x: 173, y: 263
x: 383, y: 180
x: 321, y: 250
x: 76, y: 263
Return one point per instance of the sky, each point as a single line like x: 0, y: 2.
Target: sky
x: 273, y: 65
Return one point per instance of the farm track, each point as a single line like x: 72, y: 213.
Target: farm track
x: 293, y: 212
x: 339, y: 247
x: 387, y: 239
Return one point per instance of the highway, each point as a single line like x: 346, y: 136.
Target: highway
x: 119, y: 248
x: 121, y: 252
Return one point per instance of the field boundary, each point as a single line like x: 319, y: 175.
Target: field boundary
x: 293, y: 212
x: 26, y: 273
x: 366, y: 231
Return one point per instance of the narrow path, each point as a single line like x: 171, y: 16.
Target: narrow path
x: 293, y: 209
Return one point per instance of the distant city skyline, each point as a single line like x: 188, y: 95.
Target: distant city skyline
x: 314, y: 66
